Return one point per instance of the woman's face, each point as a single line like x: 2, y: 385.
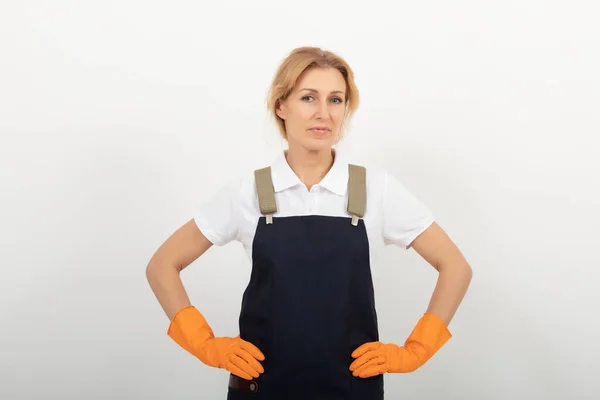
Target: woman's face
x: 314, y: 111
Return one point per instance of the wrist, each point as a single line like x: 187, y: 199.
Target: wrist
x: 428, y: 337
x: 189, y: 329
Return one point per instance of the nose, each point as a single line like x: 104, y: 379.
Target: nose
x: 323, y: 110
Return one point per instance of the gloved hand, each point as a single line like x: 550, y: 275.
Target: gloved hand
x: 375, y: 358
x: 189, y: 329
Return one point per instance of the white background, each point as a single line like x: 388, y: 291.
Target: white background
x: 118, y: 118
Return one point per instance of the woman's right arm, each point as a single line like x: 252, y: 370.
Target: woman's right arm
x: 182, y: 248
x: 188, y: 327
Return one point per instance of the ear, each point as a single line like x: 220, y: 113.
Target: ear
x: 281, y: 109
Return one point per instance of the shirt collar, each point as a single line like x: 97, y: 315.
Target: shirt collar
x: 336, y: 179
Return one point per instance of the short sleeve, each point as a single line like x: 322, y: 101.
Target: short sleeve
x: 217, y: 217
x: 404, y: 216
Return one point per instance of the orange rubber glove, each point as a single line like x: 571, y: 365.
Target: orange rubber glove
x: 375, y: 358
x: 189, y: 329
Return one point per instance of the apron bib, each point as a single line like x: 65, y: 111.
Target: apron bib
x: 310, y: 302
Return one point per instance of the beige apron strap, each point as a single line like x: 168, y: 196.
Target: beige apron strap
x: 266, y: 193
x: 357, y: 192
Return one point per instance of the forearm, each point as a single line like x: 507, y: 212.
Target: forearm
x: 168, y: 288
x: 451, y: 287
x: 428, y: 336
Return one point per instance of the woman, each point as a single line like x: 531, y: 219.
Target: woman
x: 309, y: 223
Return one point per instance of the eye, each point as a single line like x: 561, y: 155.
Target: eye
x: 335, y: 99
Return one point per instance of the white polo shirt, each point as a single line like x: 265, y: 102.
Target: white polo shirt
x: 392, y: 214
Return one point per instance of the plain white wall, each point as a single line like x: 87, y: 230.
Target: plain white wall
x: 118, y: 118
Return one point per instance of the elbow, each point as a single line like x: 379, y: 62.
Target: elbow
x: 461, y: 268
x: 157, y: 267
x: 151, y: 271
x: 467, y: 274
x: 465, y: 270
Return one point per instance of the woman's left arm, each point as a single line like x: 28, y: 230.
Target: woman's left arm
x: 431, y: 331
x: 455, y: 273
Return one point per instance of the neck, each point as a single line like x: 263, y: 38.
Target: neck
x: 310, y: 166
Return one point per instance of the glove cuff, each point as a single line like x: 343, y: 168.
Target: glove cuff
x: 189, y: 329
x: 430, y: 332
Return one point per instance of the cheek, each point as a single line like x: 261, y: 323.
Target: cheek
x: 338, y: 114
x: 304, y: 112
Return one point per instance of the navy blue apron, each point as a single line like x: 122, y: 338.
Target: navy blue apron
x: 309, y: 303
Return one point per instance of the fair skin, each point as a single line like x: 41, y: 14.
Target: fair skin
x: 310, y: 156
x: 454, y: 272
x: 317, y: 101
x: 180, y: 249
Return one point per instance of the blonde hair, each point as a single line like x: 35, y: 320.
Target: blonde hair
x: 299, y: 60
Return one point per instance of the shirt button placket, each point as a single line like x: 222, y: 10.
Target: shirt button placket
x: 313, y: 199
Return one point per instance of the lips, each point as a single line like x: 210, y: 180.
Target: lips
x: 320, y: 131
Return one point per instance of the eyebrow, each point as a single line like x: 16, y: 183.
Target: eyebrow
x: 316, y: 91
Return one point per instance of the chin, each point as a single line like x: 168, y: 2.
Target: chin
x: 318, y: 144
